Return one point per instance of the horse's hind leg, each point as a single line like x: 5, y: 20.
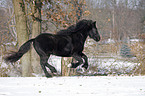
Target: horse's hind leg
x: 43, y: 60
x: 53, y: 70
x: 43, y: 63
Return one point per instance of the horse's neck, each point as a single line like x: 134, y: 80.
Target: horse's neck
x: 85, y: 37
x: 82, y: 36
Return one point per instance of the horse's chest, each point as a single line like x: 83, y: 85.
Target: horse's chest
x: 78, y: 47
x: 78, y: 41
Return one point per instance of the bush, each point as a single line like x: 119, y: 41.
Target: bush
x: 125, y: 51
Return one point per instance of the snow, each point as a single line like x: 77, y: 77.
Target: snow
x: 73, y: 86
x: 104, y: 65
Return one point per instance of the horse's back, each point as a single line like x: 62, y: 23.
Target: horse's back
x: 60, y: 45
x: 45, y: 41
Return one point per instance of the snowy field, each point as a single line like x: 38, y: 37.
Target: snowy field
x: 73, y: 86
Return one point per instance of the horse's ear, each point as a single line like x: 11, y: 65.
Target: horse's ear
x: 94, y: 22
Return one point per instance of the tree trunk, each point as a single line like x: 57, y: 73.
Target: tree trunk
x: 22, y: 34
x: 36, y: 30
x: 65, y: 70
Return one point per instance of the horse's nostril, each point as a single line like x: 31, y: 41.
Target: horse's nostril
x: 99, y: 38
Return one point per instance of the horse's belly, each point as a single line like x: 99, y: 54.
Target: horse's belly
x: 63, y: 53
x: 63, y: 49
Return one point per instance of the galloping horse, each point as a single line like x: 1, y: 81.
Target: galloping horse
x: 66, y: 43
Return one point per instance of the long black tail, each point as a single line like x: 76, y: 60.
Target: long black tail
x: 15, y: 56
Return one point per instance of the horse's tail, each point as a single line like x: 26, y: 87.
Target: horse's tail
x: 15, y: 56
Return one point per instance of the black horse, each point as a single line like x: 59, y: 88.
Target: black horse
x: 66, y: 43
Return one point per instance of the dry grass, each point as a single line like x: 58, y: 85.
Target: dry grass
x: 139, y: 50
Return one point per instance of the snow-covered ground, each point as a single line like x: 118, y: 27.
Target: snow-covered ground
x: 73, y: 86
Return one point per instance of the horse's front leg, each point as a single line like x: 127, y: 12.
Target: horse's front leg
x: 85, y: 65
x: 79, y: 61
x: 82, y: 58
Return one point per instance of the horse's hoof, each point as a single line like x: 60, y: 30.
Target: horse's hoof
x: 84, y: 70
x: 73, y: 65
x: 55, y: 74
x: 85, y: 66
x: 53, y: 70
x: 48, y: 76
x: 69, y: 65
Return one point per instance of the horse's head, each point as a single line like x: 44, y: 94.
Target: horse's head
x: 94, y: 34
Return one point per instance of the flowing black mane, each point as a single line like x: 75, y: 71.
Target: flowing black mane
x: 81, y: 25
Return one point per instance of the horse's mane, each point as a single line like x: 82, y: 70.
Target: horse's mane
x: 81, y: 25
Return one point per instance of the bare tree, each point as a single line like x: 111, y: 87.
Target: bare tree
x: 22, y: 34
x: 36, y: 6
